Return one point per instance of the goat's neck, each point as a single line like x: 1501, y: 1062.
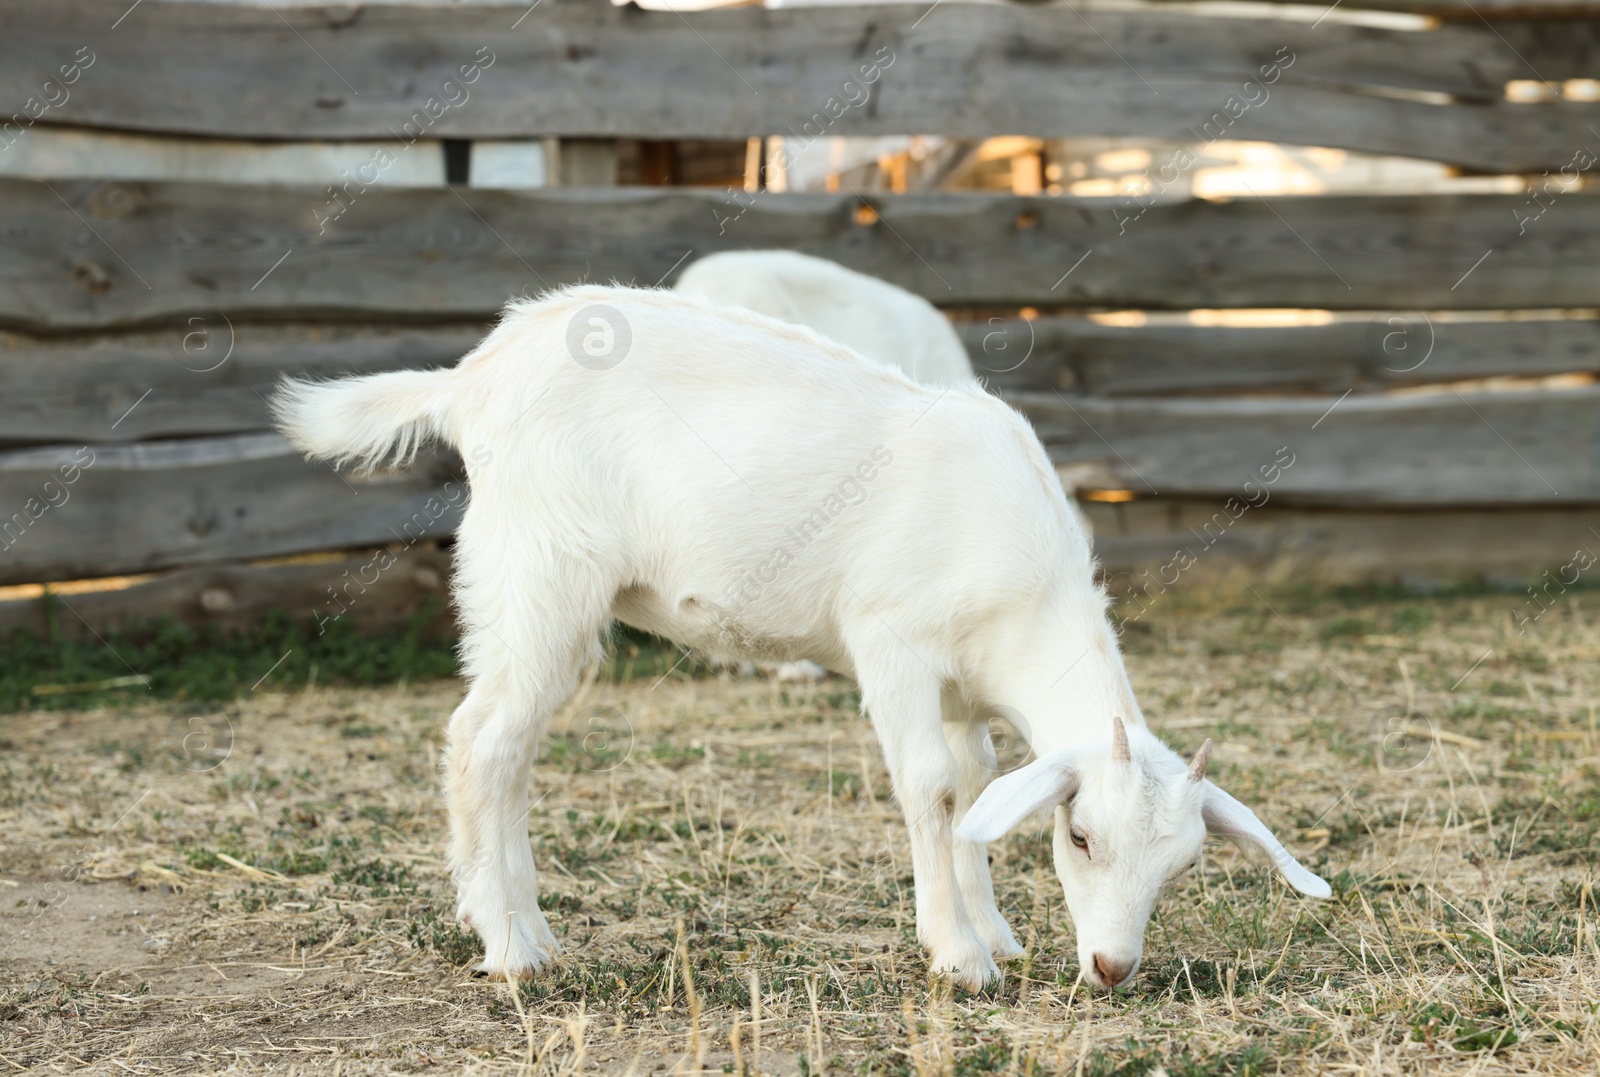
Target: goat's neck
x: 1068, y: 688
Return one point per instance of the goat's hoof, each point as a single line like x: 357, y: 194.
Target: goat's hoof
x: 996, y: 935
x: 524, y: 966
x: 1007, y: 952
x: 483, y: 970
x: 1004, y: 946
x: 973, y: 969
x: 515, y: 945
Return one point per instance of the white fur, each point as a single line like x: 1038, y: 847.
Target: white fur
x: 752, y: 490
x: 877, y: 319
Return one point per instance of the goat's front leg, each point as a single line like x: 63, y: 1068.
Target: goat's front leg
x: 976, y: 765
x: 903, y: 702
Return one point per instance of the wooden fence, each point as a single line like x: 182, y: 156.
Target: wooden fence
x: 1443, y: 419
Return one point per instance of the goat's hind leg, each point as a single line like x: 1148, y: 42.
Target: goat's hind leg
x: 490, y: 754
x: 522, y: 666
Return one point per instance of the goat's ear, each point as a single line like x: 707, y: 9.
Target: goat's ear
x: 1011, y: 798
x: 1227, y: 818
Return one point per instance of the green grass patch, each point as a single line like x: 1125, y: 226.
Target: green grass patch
x: 209, y: 665
x: 282, y: 652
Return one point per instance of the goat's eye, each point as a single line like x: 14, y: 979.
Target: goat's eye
x: 1079, y: 839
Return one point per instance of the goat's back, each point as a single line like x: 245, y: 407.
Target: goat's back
x: 881, y: 321
x: 720, y: 436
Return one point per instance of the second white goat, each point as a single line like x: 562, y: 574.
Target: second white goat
x: 881, y: 321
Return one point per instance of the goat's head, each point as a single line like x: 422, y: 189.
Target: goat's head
x: 1130, y: 817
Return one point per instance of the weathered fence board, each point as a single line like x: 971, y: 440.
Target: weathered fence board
x: 238, y: 596
x: 1139, y: 545
x: 1392, y: 348
x: 594, y: 70
x: 103, y: 510
x: 1434, y: 449
x: 204, y: 376
x: 1477, y: 10
x: 185, y: 381
x: 82, y: 255
x: 1275, y: 544
x: 157, y: 504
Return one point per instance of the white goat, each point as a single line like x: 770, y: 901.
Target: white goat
x: 874, y: 317
x: 747, y: 488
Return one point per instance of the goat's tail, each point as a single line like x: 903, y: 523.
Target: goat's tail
x: 368, y: 420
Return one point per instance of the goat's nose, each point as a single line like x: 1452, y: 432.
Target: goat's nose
x: 1111, y: 972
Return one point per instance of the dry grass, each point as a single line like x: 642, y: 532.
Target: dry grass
x: 733, y: 884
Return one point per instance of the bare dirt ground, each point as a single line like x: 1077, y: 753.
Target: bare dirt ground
x: 261, y: 888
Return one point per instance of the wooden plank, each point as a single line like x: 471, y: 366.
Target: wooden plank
x: 600, y: 71
x: 1138, y: 544
x: 370, y: 590
x: 1476, y: 10
x: 1143, y: 544
x: 140, y: 385
x: 1388, y: 349
x: 86, y: 256
x: 68, y: 153
x: 1422, y: 450
x: 205, y: 376
x: 102, y: 510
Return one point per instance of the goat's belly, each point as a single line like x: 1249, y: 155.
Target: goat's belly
x: 716, y: 631
x: 687, y: 621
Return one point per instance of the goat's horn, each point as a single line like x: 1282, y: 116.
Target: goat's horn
x: 1197, y: 765
x: 1119, y: 742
